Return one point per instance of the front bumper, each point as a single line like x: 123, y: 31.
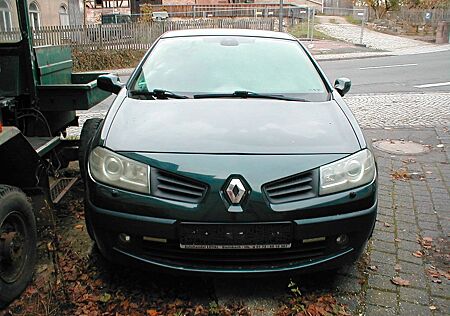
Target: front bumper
x: 155, y: 241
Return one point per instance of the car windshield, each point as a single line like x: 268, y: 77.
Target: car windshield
x: 225, y: 64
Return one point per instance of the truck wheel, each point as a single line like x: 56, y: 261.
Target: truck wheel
x: 87, y: 132
x: 17, y: 243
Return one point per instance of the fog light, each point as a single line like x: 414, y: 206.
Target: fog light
x: 124, y: 238
x: 342, y: 240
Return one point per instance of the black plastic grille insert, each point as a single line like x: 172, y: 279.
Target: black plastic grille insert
x: 293, y: 188
x: 175, y: 187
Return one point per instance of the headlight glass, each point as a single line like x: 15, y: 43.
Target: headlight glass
x: 347, y: 173
x: 110, y: 168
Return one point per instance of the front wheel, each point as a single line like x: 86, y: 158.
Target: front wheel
x: 17, y: 243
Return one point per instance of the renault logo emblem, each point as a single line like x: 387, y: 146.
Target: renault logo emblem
x: 235, y: 191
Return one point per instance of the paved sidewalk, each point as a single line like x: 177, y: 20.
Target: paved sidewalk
x: 410, y: 240
x: 395, y: 44
x: 400, y: 110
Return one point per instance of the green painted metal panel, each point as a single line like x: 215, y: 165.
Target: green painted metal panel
x: 54, y: 64
x: 81, y: 95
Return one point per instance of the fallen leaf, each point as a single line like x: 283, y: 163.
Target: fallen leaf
x: 425, y: 242
x: 433, y: 308
x: 436, y: 281
x: 79, y: 226
x: 200, y: 310
x: 399, y: 281
x: 401, y: 174
x: 397, y: 267
x: 41, y: 268
x: 373, y: 268
x: 84, y: 277
x: 440, y: 145
x: 105, y: 297
x: 152, y: 312
x: 417, y: 254
x: 50, y: 246
x: 98, y: 283
x: 387, y: 224
x: 397, y: 240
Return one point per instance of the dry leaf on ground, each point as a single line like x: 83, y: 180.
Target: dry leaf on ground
x: 399, y: 281
x: 401, y: 174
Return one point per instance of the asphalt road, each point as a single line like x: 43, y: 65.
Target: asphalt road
x: 421, y: 73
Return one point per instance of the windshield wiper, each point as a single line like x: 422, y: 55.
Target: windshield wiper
x: 246, y: 94
x: 158, y: 94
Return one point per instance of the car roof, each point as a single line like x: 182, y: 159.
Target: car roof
x: 227, y: 32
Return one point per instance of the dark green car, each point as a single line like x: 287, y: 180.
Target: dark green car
x: 228, y: 151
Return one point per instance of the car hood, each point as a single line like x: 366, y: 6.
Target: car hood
x: 231, y: 126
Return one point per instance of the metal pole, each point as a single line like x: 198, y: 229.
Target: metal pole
x: 362, y: 28
x: 280, y: 17
x: 307, y: 32
x: 312, y: 27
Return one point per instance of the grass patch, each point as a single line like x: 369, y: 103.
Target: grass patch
x: 352, y: 20
x: 301, y: 31
x: 103, y: 59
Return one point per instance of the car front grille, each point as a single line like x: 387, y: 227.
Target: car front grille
x: 293, y: 188
x: 175, y: 187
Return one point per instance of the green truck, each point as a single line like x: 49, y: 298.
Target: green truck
x: 39, y: 97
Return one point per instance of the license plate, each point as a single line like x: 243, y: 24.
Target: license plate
x: 225, y: 247
x: 235, y: 236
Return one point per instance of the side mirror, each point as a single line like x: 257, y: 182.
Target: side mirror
x: 342, y: 85
x: 110, y: 83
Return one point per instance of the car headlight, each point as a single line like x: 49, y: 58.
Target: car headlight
x: 118, y: 171
x: 347, y: 173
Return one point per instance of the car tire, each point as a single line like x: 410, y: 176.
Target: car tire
x: 87, y: 133
x: 18, y: 238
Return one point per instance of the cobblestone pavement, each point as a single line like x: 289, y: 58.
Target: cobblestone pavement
x: 410, y: 240
x: 399, y: 45
x: 378, y: 110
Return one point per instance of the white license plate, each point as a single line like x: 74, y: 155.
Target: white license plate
x: 271, y: 246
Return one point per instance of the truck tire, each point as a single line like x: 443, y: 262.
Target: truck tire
x: 18, y: 239
x: 87, y: 132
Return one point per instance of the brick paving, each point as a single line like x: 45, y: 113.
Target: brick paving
x: 409, y: 210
